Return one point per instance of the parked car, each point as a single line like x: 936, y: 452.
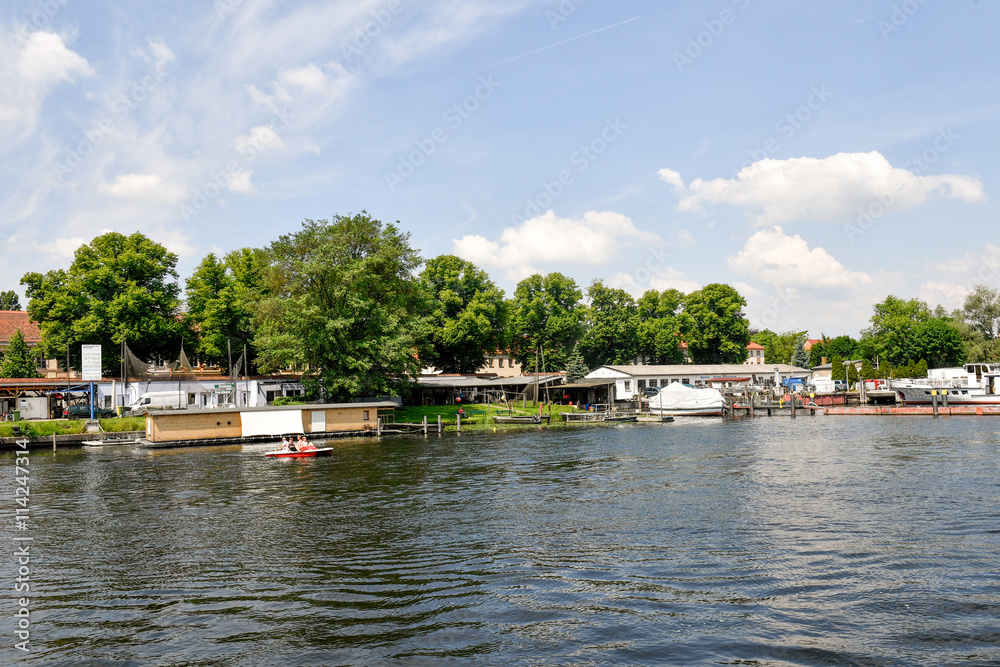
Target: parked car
x: 82, y: 411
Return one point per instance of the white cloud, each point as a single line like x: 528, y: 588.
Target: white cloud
x: 593, y: 240
x: 241, y: 183
x: 779, y: 259
x: 45, y: 60
x: 949, y: 295
x: 259, y: 138
x: 159, y: 53
x: 660, y: 280
x: 144, y: 188
x: 832, y: 188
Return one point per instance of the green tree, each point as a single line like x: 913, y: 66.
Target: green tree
x: 920, y: 369
x: 837, y: 369
x: 659, y: 332
x: 546, y: 311
x: 343, y: 304
x: 867, y: 370
x: 468, y: 315
x: 576, y: 369
x: 9, y: 300
x: 117, y: 288
x: 938, y: 342
x: 222, y: 297
x: 613, y: 318
x: 800, y: 358
x: 18, y: 362
x: 891, y: 334
x: 852, y: 375
x: 982, y: 310
x: 714, y: 324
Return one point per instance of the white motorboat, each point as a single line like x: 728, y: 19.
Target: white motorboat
x: 973, y: 384
x: 678, y: 400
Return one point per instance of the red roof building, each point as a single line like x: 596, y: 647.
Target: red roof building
x: 11, y: 321
x: 755, y: 354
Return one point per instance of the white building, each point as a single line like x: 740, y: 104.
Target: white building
x: 631, y: 381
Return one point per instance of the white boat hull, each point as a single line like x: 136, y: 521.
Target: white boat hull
x: 921, y: 395
x: 680, y: 401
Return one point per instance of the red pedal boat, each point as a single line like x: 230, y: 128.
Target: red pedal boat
x: 302, y: 452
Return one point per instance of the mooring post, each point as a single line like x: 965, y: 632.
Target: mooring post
x: 459, y: 422
x: 944, y: 397
x: 378, y: 426
x: 793, y: 404
x: 934, y: 401
x: 425, y: 424
x: 440, y: 425
x: 53, y: 442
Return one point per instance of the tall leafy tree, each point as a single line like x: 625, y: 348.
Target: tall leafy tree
x: 659, y: 331
x: 778, y: 347
x: 837, y: 369
x: 613, y: 318
x: 468, y: 315
x: 982, y: 310
x: 576, y: 368
x: 117, y: 288
x: 891, y: 334
x: 938, y: 343
x: 9, y: 300
x: 222, y: 297
x: 717, y: 329
x: 18, y: 362
x: 344, y: 305
x: 546, y: 311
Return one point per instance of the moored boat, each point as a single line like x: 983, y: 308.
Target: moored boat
x: 973, y: 384
x: 678, y: 400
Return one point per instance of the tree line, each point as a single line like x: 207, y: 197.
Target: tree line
x: 352, y: 305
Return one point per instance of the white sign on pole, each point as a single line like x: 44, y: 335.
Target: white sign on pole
x: 91, y: 362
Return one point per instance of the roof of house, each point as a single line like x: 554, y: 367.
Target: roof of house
x: 12, y: 320
x: 755, y: 346
x: 811, y: 342
x: 694, y: 370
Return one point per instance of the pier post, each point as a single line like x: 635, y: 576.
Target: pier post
x: 425, y: 424
x: 934, y: 401
x: 53, y: 442
x: 378, y: 426
x: 459, y: 422
x: 440, y: 425
x: 793, y: 401
x: 944, y: 397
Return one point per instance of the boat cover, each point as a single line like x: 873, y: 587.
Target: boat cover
x: 677, y: 396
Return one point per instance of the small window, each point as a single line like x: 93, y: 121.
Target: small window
x: 366, y: 415
x: 628, y: 385
x: 686, y: 381
x: 192, y: 398
x: 500, y: 363
x: 492, y: 362
x: 640, y: 385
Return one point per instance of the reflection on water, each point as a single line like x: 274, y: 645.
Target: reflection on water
x: 816, y: 541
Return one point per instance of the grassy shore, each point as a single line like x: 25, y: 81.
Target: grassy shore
x: 40, y: 429
x: 478, y: 417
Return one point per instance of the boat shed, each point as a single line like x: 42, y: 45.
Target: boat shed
x: 451, y: 389
x: 179, y: 426
x: 631, y: 381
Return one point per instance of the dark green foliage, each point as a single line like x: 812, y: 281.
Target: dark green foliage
x: 468, y: 316
x: 800, y: 357
x: 117, y: 288
x: 867, y: 370
x: 659, y: 333
x: 222, y: 297
x: 613, y: 318
x: 9, y: 300
x: 837, y: 370
x: 715, y: 328
x: 344, y: 306
x: 546, y: 311
x: 18, y: 362
x: 903, y: 330
x: 576, y: 369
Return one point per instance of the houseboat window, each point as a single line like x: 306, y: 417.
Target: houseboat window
x: 628, y: 385
x: 366, y: 415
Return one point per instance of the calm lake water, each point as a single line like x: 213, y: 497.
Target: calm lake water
x: 816, y: 541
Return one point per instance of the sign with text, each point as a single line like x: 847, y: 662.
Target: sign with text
x: 91, y: 365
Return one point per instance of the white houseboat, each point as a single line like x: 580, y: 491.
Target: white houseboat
x: 975, y: 384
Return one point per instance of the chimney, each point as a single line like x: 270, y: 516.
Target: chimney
x: 825, y: 360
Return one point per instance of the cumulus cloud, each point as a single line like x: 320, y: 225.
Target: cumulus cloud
x: 45, y: 60
x: 660, y: 280
x: 779, y: 259
x: 832, y: 188
x: 592, y: 240
x: 241, y: 183
x: 144, y: 188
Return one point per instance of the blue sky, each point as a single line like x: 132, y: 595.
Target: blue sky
x: 817, y: 156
